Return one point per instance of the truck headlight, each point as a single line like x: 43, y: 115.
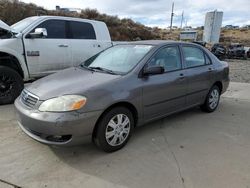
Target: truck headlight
x: 63, y: 103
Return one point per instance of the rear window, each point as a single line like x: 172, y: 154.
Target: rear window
x: 82, y: 30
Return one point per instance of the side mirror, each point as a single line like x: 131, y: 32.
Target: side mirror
x: 153, y: 70
x: 39, y: 33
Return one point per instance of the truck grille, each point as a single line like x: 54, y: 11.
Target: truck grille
x: 28, y: 98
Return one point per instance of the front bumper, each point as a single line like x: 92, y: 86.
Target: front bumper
x: 67, y: 128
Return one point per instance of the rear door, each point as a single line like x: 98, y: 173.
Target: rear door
x: 83, y: 41
x: 165, y: 93
x: 48, y: 54
x: 199, y: 71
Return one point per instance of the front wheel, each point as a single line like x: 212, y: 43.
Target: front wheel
x: 212, y: 100
x: 11, y: 85
x: 114, y: 129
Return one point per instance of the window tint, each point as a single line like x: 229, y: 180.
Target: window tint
x: 193, y: 56
x: 55, y: 28
x: 168, y: 58
x: 81, y: 30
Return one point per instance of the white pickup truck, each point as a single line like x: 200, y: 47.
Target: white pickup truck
x: 41, y: 45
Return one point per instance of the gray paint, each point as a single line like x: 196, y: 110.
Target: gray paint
x: 153, y: 97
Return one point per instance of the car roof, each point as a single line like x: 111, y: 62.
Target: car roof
x: 67, y: 18
x: 154, y: 42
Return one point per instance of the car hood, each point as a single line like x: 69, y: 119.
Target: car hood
x: 69, y: 81
x: 4, y: 26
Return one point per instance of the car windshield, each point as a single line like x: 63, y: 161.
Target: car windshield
x: 21, y: 25
x: 119, y: 59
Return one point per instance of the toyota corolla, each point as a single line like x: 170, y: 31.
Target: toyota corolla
x: 121, y: 88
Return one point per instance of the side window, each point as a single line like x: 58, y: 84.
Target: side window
x: 82, y: 30
x: 193, y: 56
x: 56, y: 29
x: 168, y: 57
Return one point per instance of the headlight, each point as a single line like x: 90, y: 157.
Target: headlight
x: 63, y: 104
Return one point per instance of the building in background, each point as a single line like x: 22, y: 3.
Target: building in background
x: 231, y: 27
x: 188, y: 35
x: 212, y: 27
x: 72, y: 10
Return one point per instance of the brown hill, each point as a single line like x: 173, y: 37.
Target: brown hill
x: 120, y: 29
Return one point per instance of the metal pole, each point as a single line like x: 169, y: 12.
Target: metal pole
x: 182, y: 16
x: 172, y: 15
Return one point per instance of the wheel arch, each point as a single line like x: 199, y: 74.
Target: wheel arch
x: 11, y: 61
x: 125, y: 104
x: 219, y: 84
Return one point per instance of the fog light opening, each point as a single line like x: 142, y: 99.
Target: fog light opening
x: 59, y: 138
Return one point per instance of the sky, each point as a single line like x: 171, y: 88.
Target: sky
x: 157, y: 12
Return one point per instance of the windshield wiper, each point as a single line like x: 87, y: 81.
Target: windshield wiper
x: 86, y: 67
x: 103, y: 69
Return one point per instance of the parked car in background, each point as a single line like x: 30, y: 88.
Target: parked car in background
x: 202, y: 43
x: 219, y: 51
x: 236, y: 51
x: 248, y: 53
x: 41, y: 45
x: 121, y: 88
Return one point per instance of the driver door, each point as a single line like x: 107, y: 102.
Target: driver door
x: 49, y: 54
x: 165, y: 93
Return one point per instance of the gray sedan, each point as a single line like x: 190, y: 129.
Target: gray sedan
x: 121, y: 88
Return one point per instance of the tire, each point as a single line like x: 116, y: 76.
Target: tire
x: 109, y: 135
x: 11, y: 85
x: 212, y: 100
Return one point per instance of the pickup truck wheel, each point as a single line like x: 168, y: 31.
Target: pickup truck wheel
x: 11, y: 85
x: 114, y: 129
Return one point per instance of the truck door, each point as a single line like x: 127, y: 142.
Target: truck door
x: 83, y: 41
x: 48, y: 54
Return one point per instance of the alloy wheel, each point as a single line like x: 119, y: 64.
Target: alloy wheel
x: 214, y: 98
x: 117, y: 130
x: 6, y: 85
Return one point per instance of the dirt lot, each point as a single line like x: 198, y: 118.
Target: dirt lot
x: 239, y: 70
x: 191, y: 149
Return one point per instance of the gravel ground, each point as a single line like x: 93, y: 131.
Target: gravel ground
x: 239, y: 70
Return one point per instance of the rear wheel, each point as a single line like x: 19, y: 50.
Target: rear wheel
x: 212, y: 100
x: 11, y: 85
x: 114, y: 129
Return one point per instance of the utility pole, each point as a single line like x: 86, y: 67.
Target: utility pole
x: 172, y: 15
x: 182, y: 17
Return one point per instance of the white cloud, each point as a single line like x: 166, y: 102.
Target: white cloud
x: 157, y: 12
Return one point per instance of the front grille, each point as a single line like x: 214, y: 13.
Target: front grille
x: 28, y: 98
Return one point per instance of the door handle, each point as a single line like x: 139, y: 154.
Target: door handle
x: 182, y: 76
x: 210, y: 69
x: 97, y: 45
x: 63, y: 45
